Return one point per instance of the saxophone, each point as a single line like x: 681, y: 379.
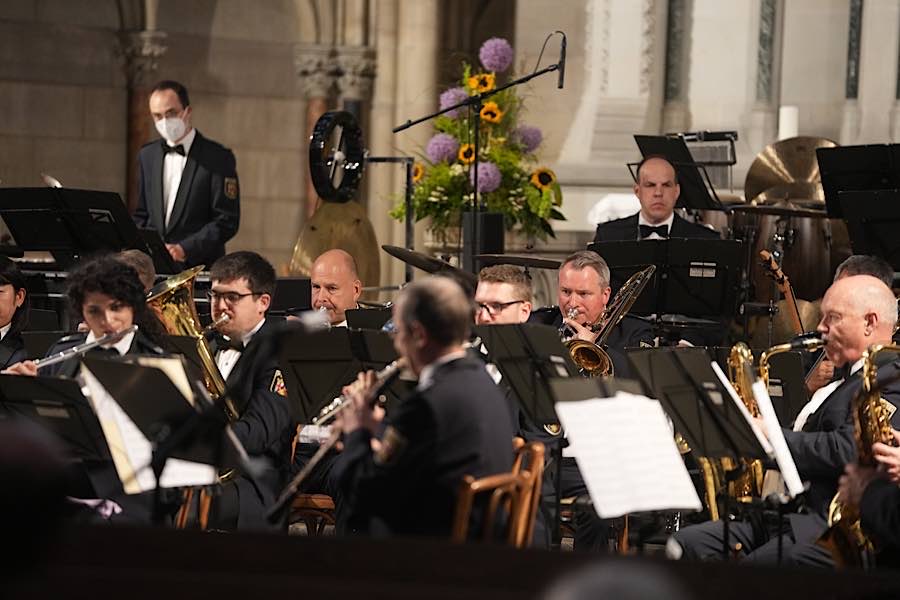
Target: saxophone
x: 844, y: 538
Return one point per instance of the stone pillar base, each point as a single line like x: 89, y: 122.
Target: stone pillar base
x: 850, y: 122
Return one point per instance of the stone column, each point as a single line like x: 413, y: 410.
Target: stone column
x: 356, y: 72
x: 140, y: 51
x: 315, y: 66
x: 762, y: 128
x: 877, y: 73
x: 676, y: 111
x: 850, y: 120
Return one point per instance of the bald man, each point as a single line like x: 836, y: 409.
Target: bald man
x: 335, y: 285
x: 857, y: 312
x: 657, y: 189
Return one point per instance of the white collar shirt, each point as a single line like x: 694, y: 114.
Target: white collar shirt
x: 173, y: 168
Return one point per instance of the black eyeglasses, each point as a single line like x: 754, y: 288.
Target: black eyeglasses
x: 496, y: 307
x: 230, y: 298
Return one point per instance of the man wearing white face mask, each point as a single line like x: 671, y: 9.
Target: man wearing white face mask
x: 187, y: 183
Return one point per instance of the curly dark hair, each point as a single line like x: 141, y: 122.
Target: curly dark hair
x: 108, y: 275
x: 11, y: 275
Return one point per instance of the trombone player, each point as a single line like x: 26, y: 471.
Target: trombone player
x: 857, y: 312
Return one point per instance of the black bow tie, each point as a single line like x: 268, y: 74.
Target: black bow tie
x: 231, y: 344
x: 110, y: 352
x: 660, y: 230
x: 179, y: 149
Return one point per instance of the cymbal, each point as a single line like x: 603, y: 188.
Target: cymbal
x: 535, y: 262
x: 780, y: 209
x: 799, y: 193
x: 785, y: 163
x: 426, y: 263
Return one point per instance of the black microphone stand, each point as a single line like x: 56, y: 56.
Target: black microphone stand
x: 475, y: 104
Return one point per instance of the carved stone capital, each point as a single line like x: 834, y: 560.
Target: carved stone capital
x: 317, y: 69
x: 140, y: 52
x: 356, y: 65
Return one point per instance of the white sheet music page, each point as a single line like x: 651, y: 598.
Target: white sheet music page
x: 627, y: 455
x: 760, y: 437
x: 134, y: 449
x: 783, y: 457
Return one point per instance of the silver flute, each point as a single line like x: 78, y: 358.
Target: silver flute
x: 80, y: 349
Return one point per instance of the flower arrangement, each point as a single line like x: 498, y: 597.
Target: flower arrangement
x: 509, y: 181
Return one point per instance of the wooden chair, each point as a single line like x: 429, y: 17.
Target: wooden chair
x: 529, y: 459
x: 315, y: 510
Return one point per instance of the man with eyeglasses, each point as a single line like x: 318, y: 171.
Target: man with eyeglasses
x: 242, y: 287
x: 503, y: 296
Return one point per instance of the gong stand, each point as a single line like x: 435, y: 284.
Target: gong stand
x: 474, y: 104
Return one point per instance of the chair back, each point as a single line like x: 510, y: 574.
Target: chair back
x: 529, y: 460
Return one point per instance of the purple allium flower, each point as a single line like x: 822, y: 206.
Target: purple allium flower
x: 496, y: 55
x: 488, y: 177
x: 451, y: 97
x: 442, y: 147
x: 528, y: 137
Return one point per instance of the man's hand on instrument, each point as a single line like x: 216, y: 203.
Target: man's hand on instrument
x: 360, y: 411
x: 582, y: 332
x: 26, y: 367
x: 176, y: 251
x: 820, y: 376
x: 888, y: 458
x: 853, y: 483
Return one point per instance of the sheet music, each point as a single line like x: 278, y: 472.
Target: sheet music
x: 783, y: 457
x: 760, y: 436
x: 131, y: 449
x: 627, y: 455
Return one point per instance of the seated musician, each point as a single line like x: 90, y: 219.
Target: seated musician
x: 454, y: 424
x: 335, y: 285
x: 876, y: 491
x: 142, y: 263
x: 14, y: 304
x: 109, y: 297
x: 857, y: 311
x: 583, y: 294
x: 657, y: 190
x: 242, y: 287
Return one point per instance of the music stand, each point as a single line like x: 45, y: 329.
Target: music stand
x: 291, y: 294
x: 857, y: 168
x: 697, y: 191
x: 71, y: 223
x: 368, y: 318
x: 872, y: 218
x: 693, y: 277
x: 316, y: 365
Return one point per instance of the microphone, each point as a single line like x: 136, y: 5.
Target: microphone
x: 561, y: 65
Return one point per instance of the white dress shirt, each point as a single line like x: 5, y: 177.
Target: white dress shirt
x: 4, y: 330
x: 226, y: 359
x: 654, y: 236
x: 173, y: 167
x: 819, y: 397
x: 121, y: 346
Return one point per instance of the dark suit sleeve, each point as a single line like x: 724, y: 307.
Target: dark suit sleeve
x: 408, y: 449
x: 880, y: 511
x: 267, y: 416
x: 823, y: 454
x: 226, y: 210
x: 141, y: 213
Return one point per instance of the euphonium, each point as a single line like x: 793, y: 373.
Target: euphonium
x: 845, y: 539
x: 591, y: 358
x: 173, y: 301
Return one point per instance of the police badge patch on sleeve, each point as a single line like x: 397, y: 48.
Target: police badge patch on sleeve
x: 392, y: 446
x: 277, y: 384
x: 231, y: 188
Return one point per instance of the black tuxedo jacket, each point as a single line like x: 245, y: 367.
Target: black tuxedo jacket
x: 827, y: 444
x: 264, y: 428
x: 12, y: 350
x: 457, y: 426
x: 626, y: 229
x: 207, y: 208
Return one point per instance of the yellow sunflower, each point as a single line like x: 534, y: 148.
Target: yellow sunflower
x: 491, y: 113
x: 543, y: 179
x: 466, y: 154
x: 418, y: 172
x: 482, y: 82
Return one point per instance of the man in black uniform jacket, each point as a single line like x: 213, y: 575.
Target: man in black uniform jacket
x: 242, y: 287
x: 857, y: 312
x: 657, y: 190
x: 14, y: 304
x: 456, y: 423
x: 187, y: 184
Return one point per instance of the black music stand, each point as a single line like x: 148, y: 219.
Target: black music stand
x: 291, y: 294
x: 697, y: 191
x: 316, y: 365
x: 700, y: 407
x: 694, y: 277
x: 368, y: 318
x: 71, y: 224
x: 857, y: 168
x: 872, y: 220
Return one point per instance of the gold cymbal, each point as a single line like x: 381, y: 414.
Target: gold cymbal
x: 790, y: 166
